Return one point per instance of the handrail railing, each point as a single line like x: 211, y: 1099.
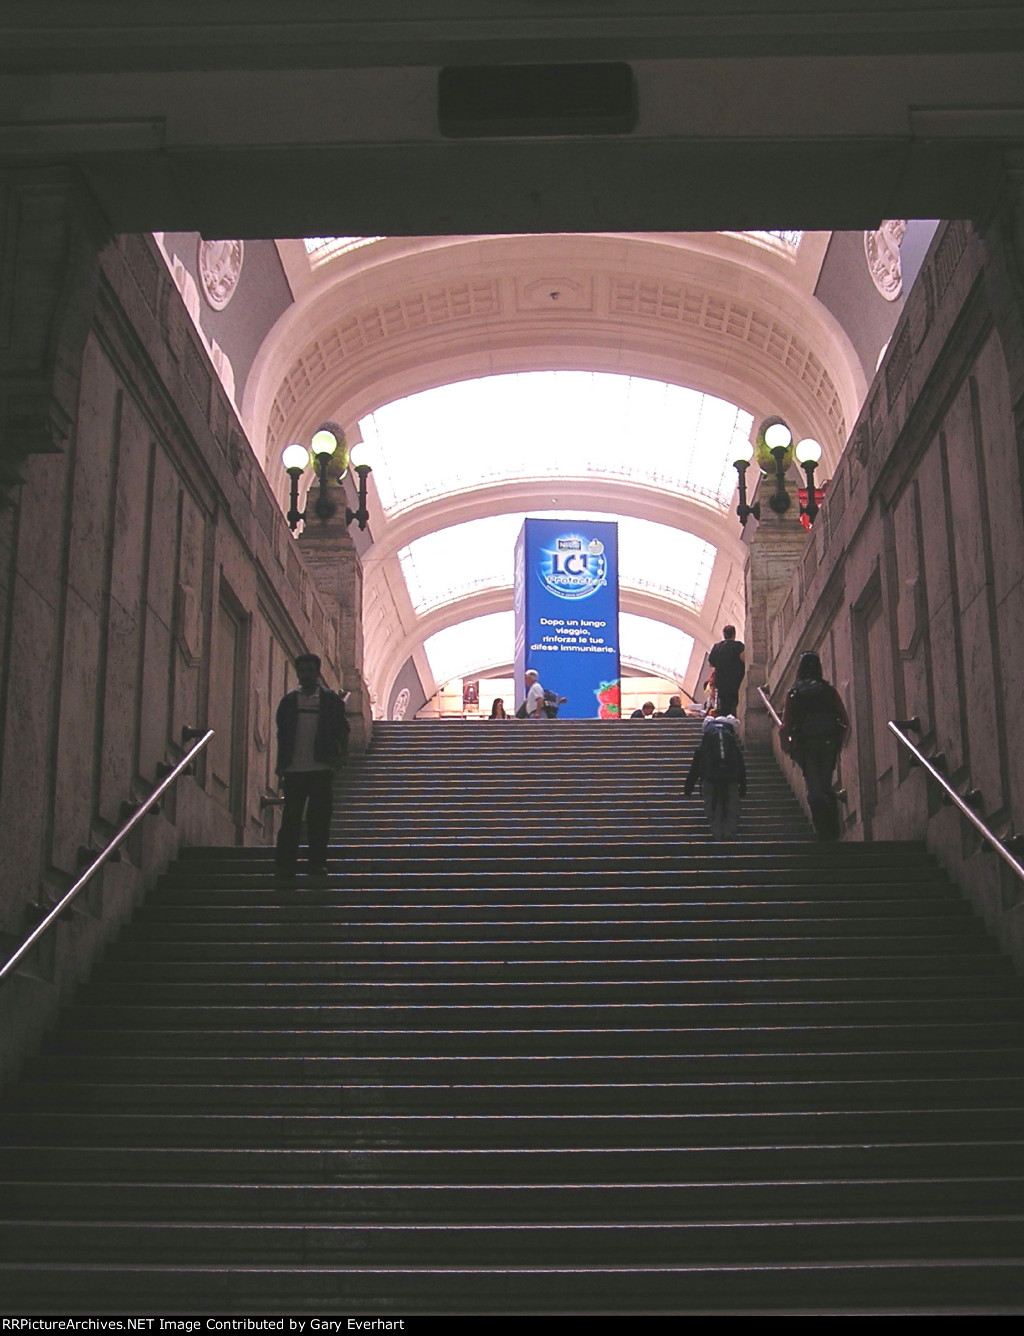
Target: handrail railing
x: 769, y: 706
x: 42, y: 928
x: 983, y: 829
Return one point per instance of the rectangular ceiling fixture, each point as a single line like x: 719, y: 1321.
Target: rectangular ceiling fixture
x: 500, y: 101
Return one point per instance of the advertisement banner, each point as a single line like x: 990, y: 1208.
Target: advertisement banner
x: 566, y: 598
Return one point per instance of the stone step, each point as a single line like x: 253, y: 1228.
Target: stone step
x: 935, y: 1284
x: 366, y: 1101
x: 581, y: 1069
x: 494, y: 1042
x: 970, y: 1156
x: 533, y: 1244
x: 833, y: 1198
x: 661, y: 992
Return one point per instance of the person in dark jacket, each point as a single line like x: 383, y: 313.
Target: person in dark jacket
x: 814, y: 728
x: 719, y: 765
x: 726, y: 658
x: 312, y: 735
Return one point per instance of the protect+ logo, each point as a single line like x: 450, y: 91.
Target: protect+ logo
x: 574, y: 568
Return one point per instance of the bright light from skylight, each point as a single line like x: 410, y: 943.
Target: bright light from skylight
x: 662, y: 648
x: 322, y: 249
x: 480, y: 644
x: 471, y: 647
x: 463, y: 559
x: 554, y: 424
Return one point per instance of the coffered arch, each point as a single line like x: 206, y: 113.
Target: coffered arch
x: 708, y: 311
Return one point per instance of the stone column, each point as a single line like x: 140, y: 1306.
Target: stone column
x: 333, y: 562
x: 774, y: 548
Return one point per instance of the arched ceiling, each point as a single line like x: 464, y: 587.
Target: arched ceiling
x: 720, y: 313
x: 732, y: 316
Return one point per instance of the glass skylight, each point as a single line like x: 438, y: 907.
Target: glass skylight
x: 471, y: 647
x: 322, y: 249
x: 662, y: 648
x: 480, y: 644
x: 554, y: 424
x: 452, y: 563
x: 790, y: 239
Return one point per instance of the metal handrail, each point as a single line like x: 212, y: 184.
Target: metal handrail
x: 984, y: 830
x: 42, y: 928
x: 769, y: 706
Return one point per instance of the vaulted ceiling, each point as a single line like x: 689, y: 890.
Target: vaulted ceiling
x: 731, y: 317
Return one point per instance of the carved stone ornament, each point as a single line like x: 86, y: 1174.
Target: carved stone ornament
x: 401, y: 703
x: 882, y: 248
x: 220, y: 266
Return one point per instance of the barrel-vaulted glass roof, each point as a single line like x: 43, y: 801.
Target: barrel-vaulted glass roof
x: 553, y: 424
x: 482, y: 643
x: 462, y: 559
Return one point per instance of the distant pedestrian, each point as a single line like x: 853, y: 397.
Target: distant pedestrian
x: 726, y: 658
x: 814, y: 728
x: 312, y: 736
x: 718, y: 765
x: 534, y: 702
x: 498, y: 709
x: 646, y: 711
x: 675, y: 709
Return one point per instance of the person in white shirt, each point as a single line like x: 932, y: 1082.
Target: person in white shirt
x: 534, y: 696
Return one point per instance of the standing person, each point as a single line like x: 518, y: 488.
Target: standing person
x: 719, y: 766
x: 814, y: 728
x: 312, y: 735
x: 726, y: 658
x: 498, y: 709
x: 675, y: 709
x: 534, y: 702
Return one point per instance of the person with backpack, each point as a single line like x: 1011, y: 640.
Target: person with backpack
x: 814, y: 728
x: 719, y: 766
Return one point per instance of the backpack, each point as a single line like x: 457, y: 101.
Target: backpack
x: 721, y: 760
x: 814, y: 717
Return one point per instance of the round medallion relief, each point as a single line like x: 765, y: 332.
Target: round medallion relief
x: 220, y: 265
x: 882, y: 249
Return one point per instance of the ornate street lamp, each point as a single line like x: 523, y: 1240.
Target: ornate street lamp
x: 328, y: 444
x: 744, y: 454
x: 778, y: 441
x: 808, y: 453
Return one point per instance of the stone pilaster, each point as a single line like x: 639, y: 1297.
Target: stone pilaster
x: 334, y: 564
x: 774, y: 549
x: 50, y: 236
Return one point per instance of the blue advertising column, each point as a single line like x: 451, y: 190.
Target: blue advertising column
x: 566, y: 591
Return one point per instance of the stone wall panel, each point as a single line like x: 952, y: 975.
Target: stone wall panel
x: 72, y: 799
x: 120, y: 714
x: 117, y: 555
x: 26, y: 781
x: 938, y: 506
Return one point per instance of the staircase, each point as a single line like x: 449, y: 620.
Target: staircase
x: 539, y: 1048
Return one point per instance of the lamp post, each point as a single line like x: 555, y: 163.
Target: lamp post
x: 779, y: 439
x: 808, y: 453
x: 361, y: 515
x: 744, y: 454
x: 328, y: 441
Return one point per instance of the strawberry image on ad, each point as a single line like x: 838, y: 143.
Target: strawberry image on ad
x: 609, y: 700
